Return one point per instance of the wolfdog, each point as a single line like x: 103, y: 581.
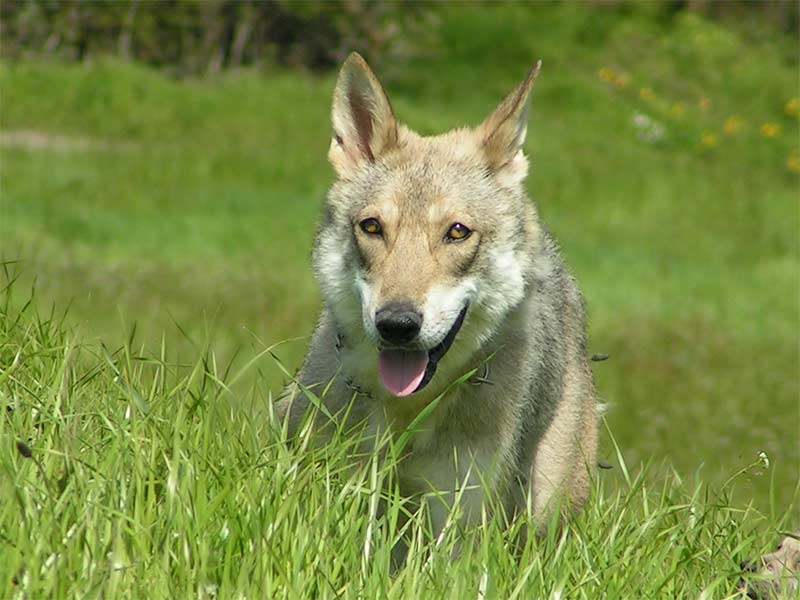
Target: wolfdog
x: 432, y: 263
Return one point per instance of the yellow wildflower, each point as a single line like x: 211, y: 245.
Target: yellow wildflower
x: 793, y: 107
x: 793, y: 162
x: 605, y: 74
x: 770, y: 130
x: 708, y: 139
x: 647, y: 94
x: 677, y: 109
x: 704, y: 104
x: 732, y: 125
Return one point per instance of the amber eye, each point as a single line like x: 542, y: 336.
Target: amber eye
x: 457, y: 232
x: 371, y: 226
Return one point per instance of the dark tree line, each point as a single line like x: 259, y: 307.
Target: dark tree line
x: 195, y: 36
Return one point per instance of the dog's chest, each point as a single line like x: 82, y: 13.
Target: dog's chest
x: 439, y: 453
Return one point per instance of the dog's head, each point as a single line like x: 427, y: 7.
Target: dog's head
x: 422, y: 237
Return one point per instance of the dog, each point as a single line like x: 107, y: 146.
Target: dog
x: 777, y: 573
x: 433, y: 263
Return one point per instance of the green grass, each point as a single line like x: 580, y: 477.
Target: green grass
x: 187, y: 208
x: 124, y: 474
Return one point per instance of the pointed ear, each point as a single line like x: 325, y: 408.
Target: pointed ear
x: 363, y: 121
x: 503, y: 132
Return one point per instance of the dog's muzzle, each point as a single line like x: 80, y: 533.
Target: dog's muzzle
x: 404, y: 372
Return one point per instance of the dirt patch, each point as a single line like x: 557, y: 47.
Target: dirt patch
x: 39, y: 140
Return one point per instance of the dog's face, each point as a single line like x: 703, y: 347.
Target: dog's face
x: 422, y: 236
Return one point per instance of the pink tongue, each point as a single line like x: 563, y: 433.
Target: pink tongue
x: 401, y: 371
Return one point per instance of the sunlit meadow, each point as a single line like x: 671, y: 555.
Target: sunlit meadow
x: 158, y: 229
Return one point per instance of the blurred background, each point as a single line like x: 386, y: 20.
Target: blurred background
x: 163, y: 166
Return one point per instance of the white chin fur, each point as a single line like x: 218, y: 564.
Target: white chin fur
x: 442, y: 306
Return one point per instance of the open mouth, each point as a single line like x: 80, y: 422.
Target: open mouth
x: 404, y: 372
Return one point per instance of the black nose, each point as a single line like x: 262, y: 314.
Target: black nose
x: 398, y: 323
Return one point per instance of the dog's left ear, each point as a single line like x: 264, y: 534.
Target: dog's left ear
x: 363, y: 121
x: 502, y: 134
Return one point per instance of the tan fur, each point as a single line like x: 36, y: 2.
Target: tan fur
x: 778, y: 573
x: 530, y: 434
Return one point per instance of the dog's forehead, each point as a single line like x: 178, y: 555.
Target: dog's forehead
x: 445, y: 171
x: 435, y: 178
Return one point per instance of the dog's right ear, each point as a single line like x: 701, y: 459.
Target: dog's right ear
x: 363, y: 121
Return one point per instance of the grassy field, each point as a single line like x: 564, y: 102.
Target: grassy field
x: 664, y: 158
x: 131, y: 476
